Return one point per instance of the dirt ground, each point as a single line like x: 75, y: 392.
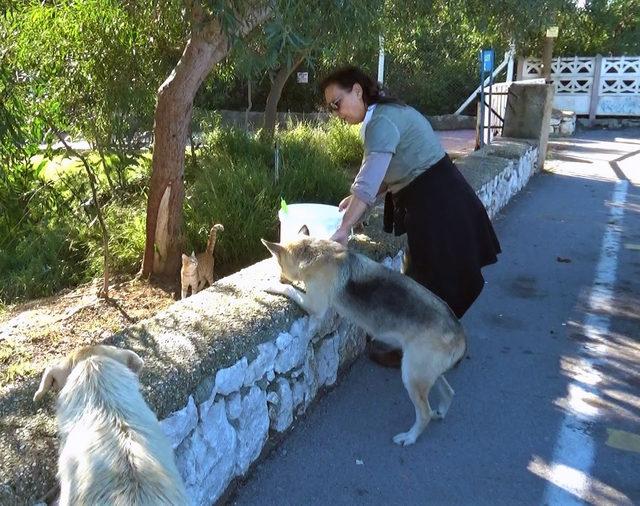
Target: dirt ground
x: 37, y: 332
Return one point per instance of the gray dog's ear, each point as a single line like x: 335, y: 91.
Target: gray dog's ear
x: 55, y: 376
x: 304, y: 230
x: 275, y: 248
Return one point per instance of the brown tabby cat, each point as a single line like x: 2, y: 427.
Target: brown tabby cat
x: 198, y: 269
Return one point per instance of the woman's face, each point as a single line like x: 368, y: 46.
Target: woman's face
x: 346, y: 104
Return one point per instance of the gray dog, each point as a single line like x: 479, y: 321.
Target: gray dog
x: 390, y: 306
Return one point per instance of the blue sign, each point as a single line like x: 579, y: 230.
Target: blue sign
x: 486, y: 60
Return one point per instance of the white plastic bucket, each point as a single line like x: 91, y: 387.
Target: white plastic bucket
x: 321, y: 220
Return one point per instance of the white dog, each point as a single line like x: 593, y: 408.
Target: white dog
x: 112, y: 448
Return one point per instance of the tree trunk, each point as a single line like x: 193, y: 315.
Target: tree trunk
x: 271, y: 107
x: 208, y: 45
x: 171, y: 131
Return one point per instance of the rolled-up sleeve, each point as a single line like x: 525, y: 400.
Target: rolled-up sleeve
x: 381, y: 136
x: 370, y: 177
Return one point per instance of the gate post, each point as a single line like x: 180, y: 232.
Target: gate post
x: 520, y: 68
x: 595, y: 90
x: 528, y: 114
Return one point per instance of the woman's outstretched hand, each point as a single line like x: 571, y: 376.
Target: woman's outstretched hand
x: 344, y: 203
x: 341, y: 236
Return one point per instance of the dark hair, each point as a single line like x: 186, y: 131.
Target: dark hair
x: 372, y: 91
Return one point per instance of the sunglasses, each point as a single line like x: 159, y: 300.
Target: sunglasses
x: 334, y: 106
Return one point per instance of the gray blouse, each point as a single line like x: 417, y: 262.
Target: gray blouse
x: 399, y: 145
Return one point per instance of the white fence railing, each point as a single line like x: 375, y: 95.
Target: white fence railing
x: 495, y: 106
x: 507, y: 62
x: 594, y: 86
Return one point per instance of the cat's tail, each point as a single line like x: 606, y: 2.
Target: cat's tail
x: 213, y: 235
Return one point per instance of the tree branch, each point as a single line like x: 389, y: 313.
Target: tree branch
x: 104, y: 292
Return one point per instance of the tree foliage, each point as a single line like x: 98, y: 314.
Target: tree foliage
x: 607, y: 27
x: 98, y: 62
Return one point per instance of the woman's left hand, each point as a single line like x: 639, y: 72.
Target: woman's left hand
x: 344, y: 203
x: 341, y: 236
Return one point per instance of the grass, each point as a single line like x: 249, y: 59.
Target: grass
x: 57, y: 165
x: 125, y: 221
x: 237, y: 186
x: 62, y: 165
x: 59, y: 245
x: 15, y: 362
x: 41, y: 262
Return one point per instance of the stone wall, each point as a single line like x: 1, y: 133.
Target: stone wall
x: 500, y: 170
x: 563, y: 123
x: 219, y: 438
x: 253, y: 119
x: 612, y: 123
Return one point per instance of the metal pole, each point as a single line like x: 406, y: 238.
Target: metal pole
x: 381, y: 60
x: 512, y: 52
x: 276, y: 154
x: 547, y: 57
x: 489, y: 111
x: 481, y: 100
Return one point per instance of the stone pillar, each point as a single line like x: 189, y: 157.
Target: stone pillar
x: 528, y: 114
x: 595, y: 89
x: 520, y: 68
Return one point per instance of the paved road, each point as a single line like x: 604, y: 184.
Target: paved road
x: 547, y: 409
x: 457, y: 142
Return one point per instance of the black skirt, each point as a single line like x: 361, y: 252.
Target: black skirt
x: 449, y: 233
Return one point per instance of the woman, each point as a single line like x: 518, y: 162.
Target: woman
x: 450, y: 237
